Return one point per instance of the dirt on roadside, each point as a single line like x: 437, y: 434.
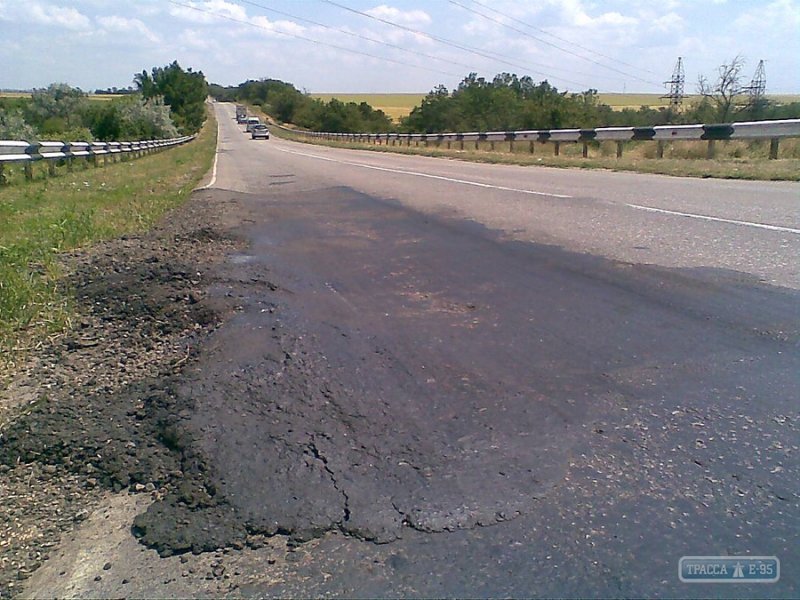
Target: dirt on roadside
x: 93, y: 411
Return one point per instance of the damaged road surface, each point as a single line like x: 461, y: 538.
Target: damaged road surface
x: 373, y: 380
x: 422, y: 399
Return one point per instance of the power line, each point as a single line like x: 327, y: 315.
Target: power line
x: 758, y: 85
x: 538, y: 39
x: 590, y: 50
x: 355, y: 35
x: 446, y: 42
x: 305, y: 39
x: 676, y: 86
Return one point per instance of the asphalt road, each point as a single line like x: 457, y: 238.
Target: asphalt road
x: 517, y: 381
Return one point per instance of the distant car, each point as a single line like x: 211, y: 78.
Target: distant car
x: 250, y: 123
x: 259, y: 131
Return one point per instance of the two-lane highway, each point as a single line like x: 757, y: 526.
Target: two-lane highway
x: 748, y: 228
x: 518, y: 381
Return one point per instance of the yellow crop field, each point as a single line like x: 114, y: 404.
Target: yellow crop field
x: 97, y: 97
x: 400, y: 105
x: 634, y: 101
x: 620, y: 101
x: 394, y: 105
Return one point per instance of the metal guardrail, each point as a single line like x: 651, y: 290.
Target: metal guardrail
x: 19, y: 151
x: 750, y: 130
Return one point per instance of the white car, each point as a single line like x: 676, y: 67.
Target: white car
x: 259, y: 131
x: 250, y: 123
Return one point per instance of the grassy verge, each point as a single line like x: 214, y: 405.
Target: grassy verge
x: 47, y: 216
x: 734, y: 159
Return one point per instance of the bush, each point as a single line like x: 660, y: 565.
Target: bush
x: 14, y: 127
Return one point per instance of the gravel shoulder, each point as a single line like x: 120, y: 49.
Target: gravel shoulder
x: 89, y: 419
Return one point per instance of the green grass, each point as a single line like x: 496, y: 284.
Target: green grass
x: 52, y: 214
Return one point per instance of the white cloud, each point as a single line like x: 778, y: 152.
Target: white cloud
x: 279, y: 26
x: 116, y: 24
x: 209, y: 11
x: 45, y: 14
x: 671, y: 22
x: 782, y: 15
x: 612, y: 19
x: 395, y: 15
x: 195, y: 40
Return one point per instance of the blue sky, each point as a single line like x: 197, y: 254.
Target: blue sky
x: 391, y: 46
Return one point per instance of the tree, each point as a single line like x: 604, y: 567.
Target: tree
x: 722, y: 96
x: 184, y: 92
x: 132, y: 118
x: 14, y: 127
x: 57, y: 108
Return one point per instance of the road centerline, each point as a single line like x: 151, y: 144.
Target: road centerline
x: 675, y: 213
x: 715, y: 219
x: 429, y: 176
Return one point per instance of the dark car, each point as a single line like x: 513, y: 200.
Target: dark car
x: 259, y: 131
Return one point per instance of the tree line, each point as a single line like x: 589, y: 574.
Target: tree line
x: 169, y: 101
x: 511, y: 103
x: 284, y: 102
x: 507, y: 103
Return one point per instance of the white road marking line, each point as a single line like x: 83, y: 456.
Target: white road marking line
x: 216, y: 159
x: 533, y: 192
x: 716, y: 219
x: 427, y: 175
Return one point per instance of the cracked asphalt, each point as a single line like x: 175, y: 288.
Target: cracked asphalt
x: 422, y: 402
x: 516, y: 419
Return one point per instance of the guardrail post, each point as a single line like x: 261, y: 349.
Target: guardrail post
x: 28, y: 171
x: 3, y: 179
x: 585, y: 151
x: 531, y: 149
x: 711, y: 150
x: 51, y: 168
x: 660, y: 149
x: 619, y: 149
x: 773, y: 149
x: 556, y: 148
